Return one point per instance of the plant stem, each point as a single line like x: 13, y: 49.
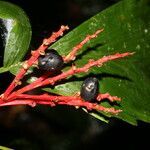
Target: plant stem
x: 45, y: 99
x: 72, y: 54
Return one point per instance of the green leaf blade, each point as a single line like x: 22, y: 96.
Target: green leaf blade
x: 17, y: 35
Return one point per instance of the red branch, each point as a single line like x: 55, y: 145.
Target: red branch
x: 72, y: 54
x: 89, y: 106
x: 109, y: 97
x: 45, y: 99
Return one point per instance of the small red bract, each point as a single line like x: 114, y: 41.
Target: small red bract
x: 17, y: 97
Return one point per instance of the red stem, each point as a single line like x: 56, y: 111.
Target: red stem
x: 72, y: 54
x: 46, y: 99
x: 39, y: 80
x: 108, y: 96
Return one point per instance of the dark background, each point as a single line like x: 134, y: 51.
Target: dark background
x: 62, y: 127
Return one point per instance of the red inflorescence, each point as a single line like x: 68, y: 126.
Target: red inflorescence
x: 17, y: 97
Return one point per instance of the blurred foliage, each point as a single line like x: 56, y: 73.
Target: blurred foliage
x: 16, y: 33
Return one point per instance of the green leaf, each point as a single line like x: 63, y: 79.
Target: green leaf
x: 16, y: 33
x: 12, y: 68
x: 5, y: 148
x: 126, y: 29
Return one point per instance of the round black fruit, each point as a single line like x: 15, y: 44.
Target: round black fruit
x: 89, y: 89
x: 51, y: 61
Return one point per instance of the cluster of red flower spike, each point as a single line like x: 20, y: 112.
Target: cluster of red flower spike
x: 18, y: 97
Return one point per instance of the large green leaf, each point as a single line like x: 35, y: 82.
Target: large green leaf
x: 127, y: 28
x: 16, y: 33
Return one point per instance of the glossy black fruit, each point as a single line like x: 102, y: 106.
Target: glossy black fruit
x: 51, y: 61
x: 89, y: 89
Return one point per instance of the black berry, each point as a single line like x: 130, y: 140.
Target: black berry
x: 51, y: 61
x: 89, y: 89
